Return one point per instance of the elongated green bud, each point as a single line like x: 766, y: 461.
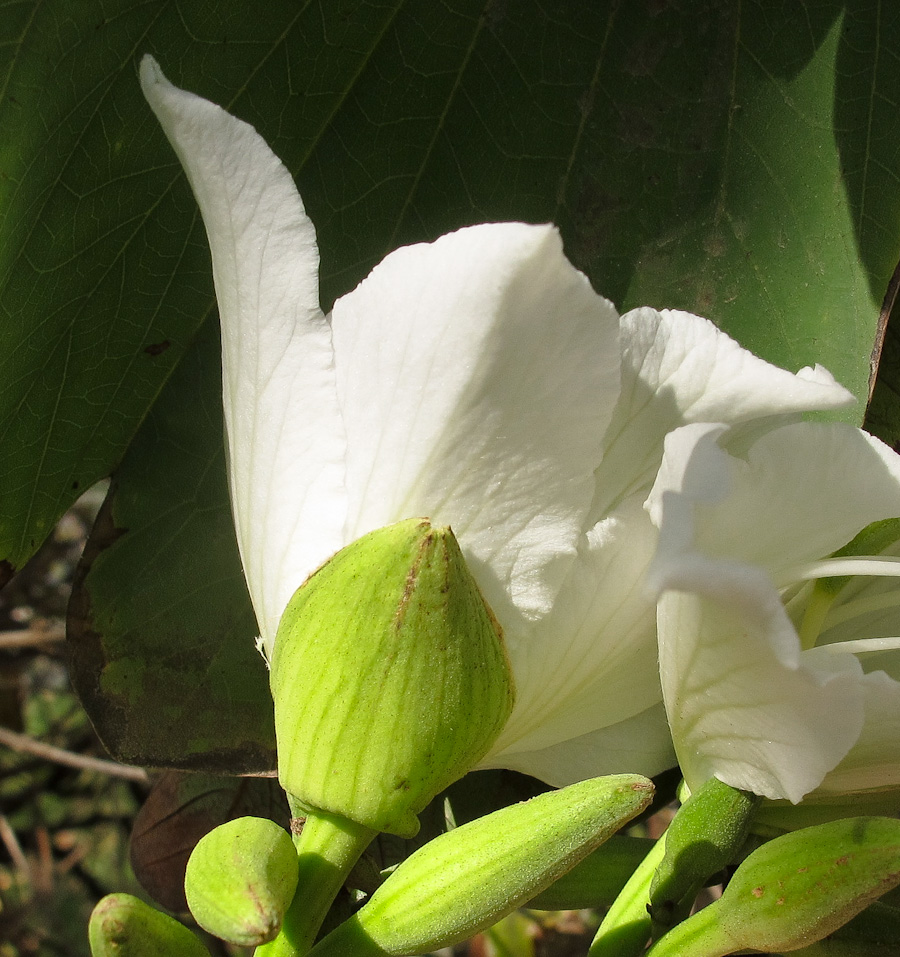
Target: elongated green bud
x: 471, y: 877
x: 389, y: 678
x: 240, y: 880
x: 875, y: 932
x: 794, y: 890
x: 597, y: 880
x: 124, y: 926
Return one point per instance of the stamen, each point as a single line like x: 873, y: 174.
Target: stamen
x: 872, y: 565
x: 863, y: 646
x: 856, y: 607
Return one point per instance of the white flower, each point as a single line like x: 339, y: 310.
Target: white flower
x: 481, y: 382
x: 779, y: 677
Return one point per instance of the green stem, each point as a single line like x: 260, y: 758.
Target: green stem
x: 626, y: 927
x: 327, y: 848
x: 700, y: 935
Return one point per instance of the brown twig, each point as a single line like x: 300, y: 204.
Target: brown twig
x: 32, y: 637
x: 24, y: 744
x: 13, y: 847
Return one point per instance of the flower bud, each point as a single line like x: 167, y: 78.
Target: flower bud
x: 240, y: 880
x: 794, y: 890
x: 124, y: 926
x: 803, y: 885
x: 389, y: 677
x: 598, y: 879
x: 471, y: 877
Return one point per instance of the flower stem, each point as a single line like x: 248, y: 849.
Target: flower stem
x: 701, y: 935
x: 327, y: 848
x: 817, y: 608
x: 626, y: 927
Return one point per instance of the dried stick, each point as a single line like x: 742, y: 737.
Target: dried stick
x: 24, y: 744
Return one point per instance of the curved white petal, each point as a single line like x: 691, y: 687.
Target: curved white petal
x: 677, y: 369
x: 476, y: 376
x: 640, y: 744
x: 744, y: 704
x: 796, y: 495
x: 592, y: 662
x: 873, y: 762
x: 285, y: 437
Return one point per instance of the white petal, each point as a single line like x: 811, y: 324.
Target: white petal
x: 285, y: 438
x: 796, y: 495
x: 679, y: 368
x: 592, y: 662
x: 476, y: 377
x: 743, y: 703
x: 641, y: 745
x: 874, y: 761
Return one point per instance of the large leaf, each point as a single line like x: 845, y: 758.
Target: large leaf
x: 160, y: 622
x: 737, y: 160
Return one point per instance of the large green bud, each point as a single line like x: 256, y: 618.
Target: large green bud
x: 389, y: 677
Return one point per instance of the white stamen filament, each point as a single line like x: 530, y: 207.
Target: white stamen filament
x: 822, y: 613
x: 856, y: 607
x: 862, y: 645
x: 872, y: 565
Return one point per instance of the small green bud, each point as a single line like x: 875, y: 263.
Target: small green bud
x: 389, y: 677
x: 471, y: 877
x: 240, y: 880
x: 124, y: 926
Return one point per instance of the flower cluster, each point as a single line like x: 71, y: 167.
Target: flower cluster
x: 652, y: 526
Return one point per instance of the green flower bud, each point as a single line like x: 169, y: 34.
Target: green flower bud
x: 471, y: 877
x: 389, y: 677
x: 240, y: 880
x: 124, y: 926
x: 598, y: 879
x: 794, y: 890
x: 801, y: 886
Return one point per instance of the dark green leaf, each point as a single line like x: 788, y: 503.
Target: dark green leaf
x: 160, y: 623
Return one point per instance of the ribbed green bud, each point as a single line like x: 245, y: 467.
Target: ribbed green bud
x: 240, y: 880
x: 471, y: 877
x: 124, y: 926
x: 389, y: 677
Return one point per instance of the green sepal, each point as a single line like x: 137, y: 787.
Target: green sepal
x: 389, y: 678
x: 240, y: 880
x: 794, y: 890
x: 705, y: 835
x: 124, y: 926
x: 471, y: 877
